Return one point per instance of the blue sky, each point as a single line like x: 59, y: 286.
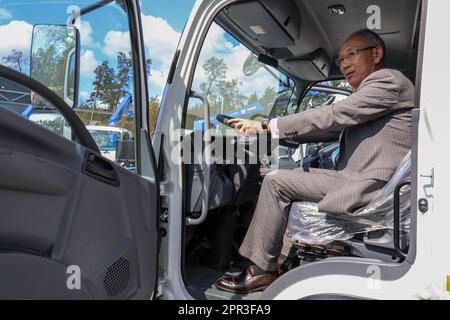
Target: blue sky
x: 175, y: 12
x: 103, y: 32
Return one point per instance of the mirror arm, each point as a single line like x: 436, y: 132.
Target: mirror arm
x: 87, y: 9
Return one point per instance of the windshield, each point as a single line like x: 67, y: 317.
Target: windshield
x: 235, y: 83
x: 106, y: 140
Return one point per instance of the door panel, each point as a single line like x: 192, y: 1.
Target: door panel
x: 54, y: 216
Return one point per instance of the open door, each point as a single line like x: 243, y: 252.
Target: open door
x: 73, y: 223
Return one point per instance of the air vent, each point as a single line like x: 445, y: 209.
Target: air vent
x: 117, y: 277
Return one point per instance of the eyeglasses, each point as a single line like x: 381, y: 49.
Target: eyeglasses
x: 350, y: 55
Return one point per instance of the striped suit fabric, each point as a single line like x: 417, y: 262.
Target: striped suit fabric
x: 377, y: 123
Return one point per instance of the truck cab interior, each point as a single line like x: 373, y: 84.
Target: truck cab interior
x: 299, y: 39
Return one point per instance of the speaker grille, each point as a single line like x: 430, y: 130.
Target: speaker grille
x: 117, y: 277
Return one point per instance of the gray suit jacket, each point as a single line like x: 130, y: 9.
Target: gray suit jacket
x: 377, y: 135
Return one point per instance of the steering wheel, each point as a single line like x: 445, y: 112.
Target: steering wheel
x: 224, y: 120
x: 75, y: 123
x: 247, y: 141
x: 289, y: 143
x: 255, y: 115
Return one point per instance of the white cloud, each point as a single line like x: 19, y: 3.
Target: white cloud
x: 86, y: 34
x: 161, y: 45
x: 161, y: 41
x: 84, y: 95
x: 158, y: 78
x: 5, y: 14
x: 15, y: 35
x: 217, y: 45
x: 159, y: 37
x: 116, y: 41
x: 216, y: 42
x: 88, y: 63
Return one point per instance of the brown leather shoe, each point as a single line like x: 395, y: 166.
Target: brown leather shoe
x: 246, y: 282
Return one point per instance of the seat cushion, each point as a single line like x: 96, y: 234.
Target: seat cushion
x: 308, y: 225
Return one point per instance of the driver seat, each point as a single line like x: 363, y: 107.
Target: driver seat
x: 369, y: 233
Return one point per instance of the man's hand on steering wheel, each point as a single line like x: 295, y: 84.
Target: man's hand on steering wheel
x: 248, y: 127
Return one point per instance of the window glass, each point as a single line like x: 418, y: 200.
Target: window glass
x: 106, y: 140
x: 105, y: 77
x: 325, y: 93
x: 235, y: 83
x: 162, y: 26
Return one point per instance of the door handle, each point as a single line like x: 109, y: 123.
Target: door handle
x: 401, y: 253
x: 99, y: 168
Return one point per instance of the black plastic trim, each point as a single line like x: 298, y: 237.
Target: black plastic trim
x: 173, y: 66
x: 401, y: 253
x: 143, y: 120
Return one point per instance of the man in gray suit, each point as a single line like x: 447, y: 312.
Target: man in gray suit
x: 374, y: 127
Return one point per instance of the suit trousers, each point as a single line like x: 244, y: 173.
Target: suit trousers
x: 265, y: 239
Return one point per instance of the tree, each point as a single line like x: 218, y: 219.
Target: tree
x: 153, y: 107
x: 17, y: 61
x: 122, y: 78
x: 103, y: 85
x: 215, y: 70
x: 148, y: 64
x: 268, y: 98
x: 111, y: 85
x: 253, y: 98
x: 229, y: 90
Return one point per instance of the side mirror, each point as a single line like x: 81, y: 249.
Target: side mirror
x: 55, y: 60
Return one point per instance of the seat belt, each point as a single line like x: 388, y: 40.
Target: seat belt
x: 341, y: 147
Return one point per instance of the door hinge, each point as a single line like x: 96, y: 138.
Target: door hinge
x: 164, y: 217
x: 430, y: 176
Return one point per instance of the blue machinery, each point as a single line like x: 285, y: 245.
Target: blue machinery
x: 113, y: 120
x: 27, y: 112
x: 115, y: 117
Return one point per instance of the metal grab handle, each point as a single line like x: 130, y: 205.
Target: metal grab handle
x: 402, y: 254
x: 207, y: 161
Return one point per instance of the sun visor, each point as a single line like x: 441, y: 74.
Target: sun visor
x: 314, y: 67
x: 265, y: 28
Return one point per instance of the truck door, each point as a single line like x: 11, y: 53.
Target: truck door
x: 73, y: 224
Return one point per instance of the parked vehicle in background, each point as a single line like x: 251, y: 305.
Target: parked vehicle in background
x: 109, y: 139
